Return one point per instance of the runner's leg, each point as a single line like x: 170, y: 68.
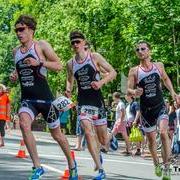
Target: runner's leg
x: 151, y: 137
x: 63, y: 143
x: 79, y: 134
x: 50, y: 113
x: 25, y: 125
x: 102, y: 134
x: 163, y: 126
x: 102, y: 138
x: 91, y: 142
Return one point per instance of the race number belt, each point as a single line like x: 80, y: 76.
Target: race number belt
x: 89, y: 112
x: 62, y: 103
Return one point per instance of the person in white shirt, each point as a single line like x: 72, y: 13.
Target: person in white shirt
x: 120, y: 123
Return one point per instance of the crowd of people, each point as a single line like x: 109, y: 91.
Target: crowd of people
x: 91, y: 71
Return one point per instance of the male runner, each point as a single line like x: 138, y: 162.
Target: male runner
x: 144, y: 80
x: 85, y: 68
x: 32, y: 59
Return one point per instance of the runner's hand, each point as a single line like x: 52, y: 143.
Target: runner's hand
x: 177, y: 99
x: 31, y: 61
x: 138, y: 91
x: 13, y: 76
x: 96, y: 85
x: 67, y: 94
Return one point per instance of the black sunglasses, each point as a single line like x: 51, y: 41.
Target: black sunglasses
x: 21, y: 29
x: 142, y: 49
x: 75, y: 42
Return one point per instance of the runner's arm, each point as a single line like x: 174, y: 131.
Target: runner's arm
x: 138, y: 113
x: 53, y: 61
x: 107, y: 68
x: 14, y: 75
x: 167, y: 81
x: 131, y: 83
x: 137, y: 116
x: 69, y: 79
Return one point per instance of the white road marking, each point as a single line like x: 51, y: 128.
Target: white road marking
x: 89, y: 158
x: 52, y: 169
x: 44, y: 165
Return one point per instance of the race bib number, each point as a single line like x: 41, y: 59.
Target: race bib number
x: 89, y: 112
x: 62, y: 103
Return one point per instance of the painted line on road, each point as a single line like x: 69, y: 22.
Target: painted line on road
x: 107, y: 160
x: 89, y: 158
x: 52, y: 169
x: 44, y: 165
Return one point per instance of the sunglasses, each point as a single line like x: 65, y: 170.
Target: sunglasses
x: 142, y: 49
x: 75, y: 42
x: 21, y: 29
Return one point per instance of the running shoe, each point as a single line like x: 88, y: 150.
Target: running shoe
x: 166, y: 174
x: 101, y: 175
x: 36, y: 173
x: 73, y: 173
x: 158, y: 170
x: 114, y: 143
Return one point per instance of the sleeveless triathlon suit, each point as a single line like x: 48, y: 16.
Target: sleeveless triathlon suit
x: 36, y: 96
x: 90, y: 101
x: 152, y: 104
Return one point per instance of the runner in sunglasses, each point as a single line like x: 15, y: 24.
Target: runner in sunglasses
x: 144, y: 80
x: 32, y: 59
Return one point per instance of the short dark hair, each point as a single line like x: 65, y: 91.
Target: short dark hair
x: 117, y: 95
x: 76, y: 34
x: 27, y: 20
x: 144, y: 42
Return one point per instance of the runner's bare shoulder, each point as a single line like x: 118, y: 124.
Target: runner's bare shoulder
x: 69, y: 64
x: 42, y: 43
x: 96, y: 56
x: 159, y: 64
x: 15, y: 50
x: 133, y: 71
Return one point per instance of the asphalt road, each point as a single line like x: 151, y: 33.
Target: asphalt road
x: 117, y: 166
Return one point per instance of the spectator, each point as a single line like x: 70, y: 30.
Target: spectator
x: 4, y: 112
x: 120, y: 123
x: 133, y: 118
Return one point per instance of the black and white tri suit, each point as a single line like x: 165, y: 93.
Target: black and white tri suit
x: 90, y: 101
x: 36, y: 96
x: 152, y: 104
